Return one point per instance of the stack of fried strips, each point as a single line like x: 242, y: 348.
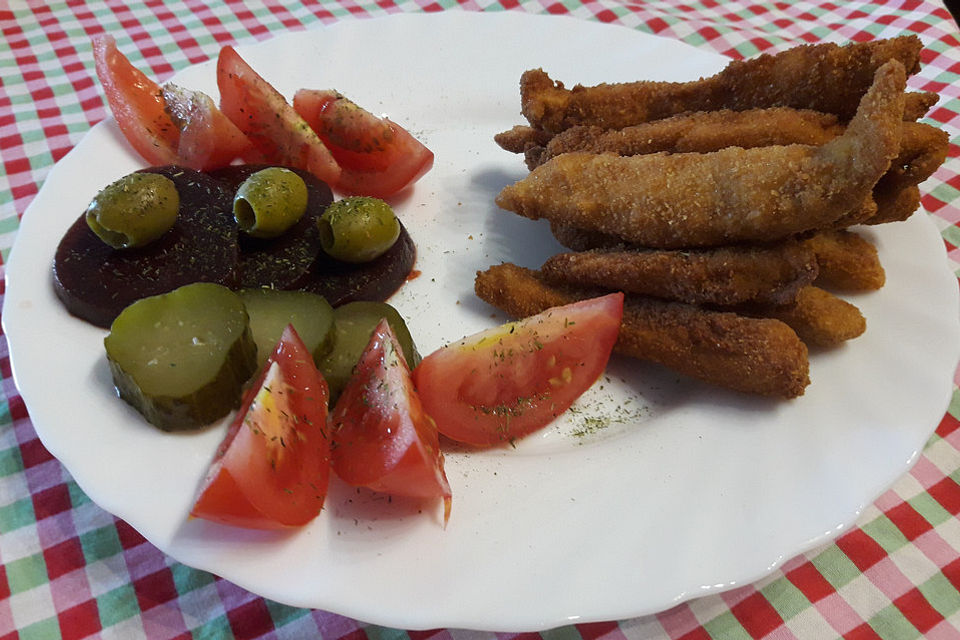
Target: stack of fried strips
x: 722, y: 207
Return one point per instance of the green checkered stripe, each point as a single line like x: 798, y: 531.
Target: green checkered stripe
x: 70, y: 570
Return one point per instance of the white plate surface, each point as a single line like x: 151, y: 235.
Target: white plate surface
x: 684, y: 489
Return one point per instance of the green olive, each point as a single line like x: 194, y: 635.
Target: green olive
x: 358, y: 229
x: 134, y: 211
x: 269, y: 202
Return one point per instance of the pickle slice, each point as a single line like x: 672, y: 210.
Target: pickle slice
x: 181, y: 358
x: 353, y: 324
x: 271, y: 310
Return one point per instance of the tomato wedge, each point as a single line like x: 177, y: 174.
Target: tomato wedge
x: 136, y: 103
x: 272, y: 468
x: 169, y: 124
x: 208, y: 139
x: 377, y: 156
x: 503, y: 383
x: 264, y: 115
x: 382, y: 439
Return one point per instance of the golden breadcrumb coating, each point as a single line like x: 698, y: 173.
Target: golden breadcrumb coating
x: 823, y: 77
x: 820, y: 318
x: 728, y: 196
x: 725, y: 276
x: 847, y: 261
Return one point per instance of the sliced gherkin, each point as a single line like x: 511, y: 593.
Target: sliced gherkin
x: 181, y: 358
x: 271, y: 310
x: 353, y: 325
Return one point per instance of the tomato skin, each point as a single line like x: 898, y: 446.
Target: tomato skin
x: 208, y: 139
x: 504, y: 383
x: 169, y: 124
x: 377, y: 156
x: 136, y: 103
x: 268, y: 120
x: 272, y: 469
x: 382, y: 438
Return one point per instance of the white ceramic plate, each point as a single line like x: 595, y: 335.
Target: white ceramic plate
x: 657, y: 489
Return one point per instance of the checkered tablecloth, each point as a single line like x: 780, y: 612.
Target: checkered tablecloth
x: 70, y: 570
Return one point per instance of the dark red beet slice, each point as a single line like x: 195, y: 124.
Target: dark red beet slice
x: 296, y: 261
x: 342, y: 282
x: 283, y: 262
x: 95, y: 282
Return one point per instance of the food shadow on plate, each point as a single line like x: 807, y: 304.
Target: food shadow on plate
x: 102, y: 379
x: 358, y: 510
x: 665, y: 390
x: 525, y: 242
x: 194, y: 532
x: 506, y: 237
x: 352, y: 511
x: 635, y: 395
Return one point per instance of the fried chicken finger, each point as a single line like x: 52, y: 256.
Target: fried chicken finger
x: 700, y: 132
x: 923, y: 148
x: 755, y: 355
x: 725, y: 276
x: 694, y: 131
x: 521, y: 137
x: 894, y: 206
x: 820, y: 318
x: 728, y: 196
x: 823, y: 77
x: 916, y: 104
x: 847, y: 261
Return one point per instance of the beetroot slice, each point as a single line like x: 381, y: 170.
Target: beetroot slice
x: 96, y: 282
x: 295, y: 260
x: 284, y: 262
x: 342, y: 282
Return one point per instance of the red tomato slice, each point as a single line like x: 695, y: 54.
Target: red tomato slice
x: 136, y: 103
x: 208, y: 139
x: 382, y: 439
x: 272, y: 468
x: 272, y: 125
x: 166, y: 125
x: 377, y: 156
x: 504, y: 383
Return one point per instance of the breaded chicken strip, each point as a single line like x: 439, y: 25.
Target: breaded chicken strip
x: 820, y: 318
x: 726, y: 276
x: 916, y: 104
x: 894, y: 206
x: 765, y: 282
x: 577, y: 239
x: 846, y: 260
x: 754, y: 355
x: 733, y: 195
x: 823, y: 77
x: 923, y: 148
x: 867, y: 210
x: 701, y: 132
x: 531, y: 141
x: 521, y: 137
